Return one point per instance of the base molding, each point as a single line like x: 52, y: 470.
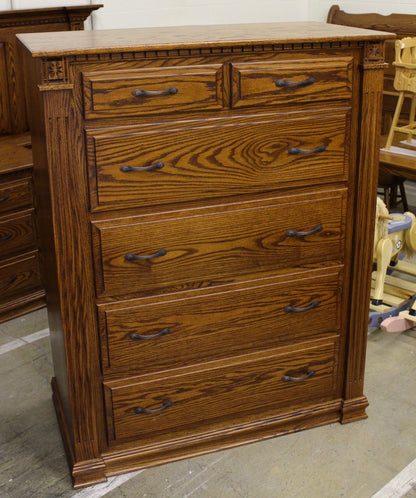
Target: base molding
x: 124, y: 458
x: 354, y: 409
x: 119, y: 460
x: 84, y: 473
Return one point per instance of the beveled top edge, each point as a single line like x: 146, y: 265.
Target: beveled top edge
x: 41, y: 11
x: 55, y: 44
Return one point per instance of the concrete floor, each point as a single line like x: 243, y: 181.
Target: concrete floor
x: 354, y: 460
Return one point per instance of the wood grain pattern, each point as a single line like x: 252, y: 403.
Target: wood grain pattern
x: 19, y: 276
x: 71, y: 261
x: 16, y: 155
x: 15, y: 194
x: 193, y: 37
x: 111, y: 93
x: 255, y: 84
x: 5, y: 126
x: 208, y: 397
x: 17, y: 232
x: 220, y: 324
x: 363, y: 235
x: 254, y: 151
x: 205, y: 248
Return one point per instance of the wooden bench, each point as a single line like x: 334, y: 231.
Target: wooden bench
x: 403, y: 25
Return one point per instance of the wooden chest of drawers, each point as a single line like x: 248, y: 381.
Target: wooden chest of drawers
x: 20, y: 283
x: 205, y: 197
x: 21, y: 289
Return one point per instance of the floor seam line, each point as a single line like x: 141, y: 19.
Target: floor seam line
x: 23, y: 341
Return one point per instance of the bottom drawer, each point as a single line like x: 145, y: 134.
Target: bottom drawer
x: 18, y: 276
x: 223, y: 396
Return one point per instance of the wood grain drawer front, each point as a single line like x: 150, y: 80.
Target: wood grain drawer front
x: 138, y: 92
x: 18, y: 276
x: 213, y: 245
x: 14, y: 195
x: 169, y: 333
x: 167, y: 407
x: 159, y: 165
x: 17, y: 233
x: 297, y: 81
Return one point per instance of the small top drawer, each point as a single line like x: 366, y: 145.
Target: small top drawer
x: 300, y: 81
x: 137, y: 92
x: 15, y: 195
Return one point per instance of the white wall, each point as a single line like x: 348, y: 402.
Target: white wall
x: 132, y: 13
x: 119, y: 13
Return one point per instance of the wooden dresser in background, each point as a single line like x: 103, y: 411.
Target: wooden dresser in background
x: 206, y: 200
x: 21, y: 290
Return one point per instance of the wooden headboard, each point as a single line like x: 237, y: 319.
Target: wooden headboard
x: 401, y: 24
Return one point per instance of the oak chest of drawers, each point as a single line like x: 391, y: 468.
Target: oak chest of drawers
x: 21, y: 289
x: 206, y: 219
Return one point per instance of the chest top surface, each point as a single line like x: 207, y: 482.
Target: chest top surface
x: 107, y: 41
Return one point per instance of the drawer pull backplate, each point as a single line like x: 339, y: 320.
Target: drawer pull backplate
x: 126, y: 168
x: 289, y: 378
x: 295, y: 150
x: 146, y: 411
x: 286, y: 83
x: 149, y: 93
x: 293, y: 309
x: 139, y: 337
x: 138, y: 257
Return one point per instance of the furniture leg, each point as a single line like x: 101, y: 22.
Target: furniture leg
x: 384, y: 254
x: 412, y: 117
x: 395, y: 120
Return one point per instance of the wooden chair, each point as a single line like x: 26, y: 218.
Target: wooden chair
x: 404, y: 83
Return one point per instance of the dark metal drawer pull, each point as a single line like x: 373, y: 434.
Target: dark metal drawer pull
x: 4, y: 198
x: 285, y: 83
x: 9, y: 280
x: 7, y: 236
x: 137, y: 257
x: 295, y: 150
x: 292, y: 309
x: 289, y: 378
x: 139, y: 337
x: 145, y: 411
x: 295, y: 233
x: 126, y: 168
x: 150, y: 93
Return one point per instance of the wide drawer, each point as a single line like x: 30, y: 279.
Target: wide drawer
x: 167, y: 333
x: 160, y: 164
x: 135, y: 92
x: 204, y: 247
x: 257, y: 386
x: 19, y: 275
x: 15, y: 194
x: 17, y: 233
x: 300, y: 81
